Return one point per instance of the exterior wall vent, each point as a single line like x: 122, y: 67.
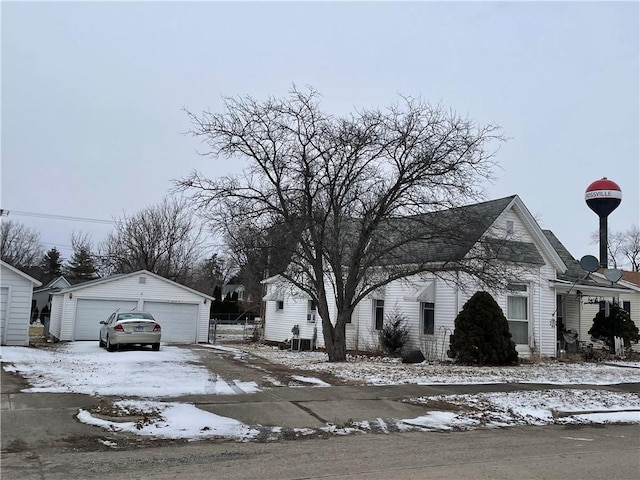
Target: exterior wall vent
x: 142, y: 280
x: 510, y: 227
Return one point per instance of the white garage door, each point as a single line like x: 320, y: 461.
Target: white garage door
x: 4, y: 298
x: 89, y: 314
x: 179, y: 321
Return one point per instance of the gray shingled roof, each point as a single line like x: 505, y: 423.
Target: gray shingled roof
x: 574, y: 270
x: 448, y: 235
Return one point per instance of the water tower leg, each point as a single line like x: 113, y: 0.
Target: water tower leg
x: 604, y: 257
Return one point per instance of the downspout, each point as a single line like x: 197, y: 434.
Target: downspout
x: 358, y: 327
x: 540, y: 312
x: 457, y: 293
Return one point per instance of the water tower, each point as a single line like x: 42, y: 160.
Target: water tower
x: 603, y: 197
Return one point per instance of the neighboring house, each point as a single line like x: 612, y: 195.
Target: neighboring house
x: 16, y: 290
x: 182, y: 312
x: 42, y: 295
x: 578, y: 296
x: 629, y: 299
x: 430, y: 305
x: 230, y: 290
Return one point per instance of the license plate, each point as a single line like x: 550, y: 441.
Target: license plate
x: 138, y: 328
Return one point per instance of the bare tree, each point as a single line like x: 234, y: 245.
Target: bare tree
x: 19, y: 245
x: 631, y: 248
x: 349, y: 195
x: 623, y: 248
x: 165, y: 239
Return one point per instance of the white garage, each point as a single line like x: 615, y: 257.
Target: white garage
x: 182, y: 312
x: 16, y: 291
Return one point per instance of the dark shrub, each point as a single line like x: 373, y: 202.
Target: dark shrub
x: 394, y: 334
x: 413, y: 356
x: 617, y: 324
x: 481, y: 335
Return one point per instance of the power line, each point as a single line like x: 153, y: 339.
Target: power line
x: 56, y: 217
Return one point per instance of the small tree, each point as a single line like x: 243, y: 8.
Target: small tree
x: 82, y: 264
x: 394, y: 334
x: 617, y: 324
x: 51, y: 264
x: 481, y: 334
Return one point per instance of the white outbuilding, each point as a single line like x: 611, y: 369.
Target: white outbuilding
x: 182, y: 312
x: 16, y: 291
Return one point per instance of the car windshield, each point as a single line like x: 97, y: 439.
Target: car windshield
x: 134, y: 315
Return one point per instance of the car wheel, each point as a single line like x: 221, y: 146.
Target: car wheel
x: 110, y: 346
x: 155, y: 347
x: 100, y: 343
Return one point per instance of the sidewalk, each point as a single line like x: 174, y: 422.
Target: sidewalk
x: 44, y: 418
x: 313, y: 407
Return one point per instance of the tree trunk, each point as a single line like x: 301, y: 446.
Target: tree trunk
x: 335, y: 341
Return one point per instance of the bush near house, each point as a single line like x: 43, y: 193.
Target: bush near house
x: 617, y: 324
x: 481, y: 335
x: 394, y: 334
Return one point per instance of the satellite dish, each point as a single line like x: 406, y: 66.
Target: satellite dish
x: 613, y: 274
x: 590, y: 263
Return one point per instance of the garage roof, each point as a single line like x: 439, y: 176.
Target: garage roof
x: 121, y: 276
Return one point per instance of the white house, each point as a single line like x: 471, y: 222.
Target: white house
x: 540, y: 302
x: 182, y: 312
x: 41, y: 295
x: 628, y: 299
x: 16, y: 290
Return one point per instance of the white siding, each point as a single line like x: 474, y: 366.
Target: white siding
x: 128, y: 288
x: 589, y: 311
x: 17, y: 311
x: 278, y: 323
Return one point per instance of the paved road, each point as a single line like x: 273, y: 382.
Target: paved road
x: 610, y: 452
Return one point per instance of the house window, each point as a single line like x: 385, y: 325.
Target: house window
x: 518, y: 313
x: 378, y: 313
x: 626, y: 306
x: 427, y: 310
x: 279, y: 304
x: 311, y: 312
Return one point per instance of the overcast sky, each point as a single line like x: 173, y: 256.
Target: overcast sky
x: 92, y: 94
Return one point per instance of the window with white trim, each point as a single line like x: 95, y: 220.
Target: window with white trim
x: 312, y: 310
x: 279, y: 304
x: 427, y: 313
x: 378, y: 313
x: 518, y: 312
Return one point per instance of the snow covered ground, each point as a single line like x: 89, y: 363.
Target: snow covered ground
x: 82, y: 367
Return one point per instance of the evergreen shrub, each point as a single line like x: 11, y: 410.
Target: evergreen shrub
x: 617, y: 324
x: 481, y: 335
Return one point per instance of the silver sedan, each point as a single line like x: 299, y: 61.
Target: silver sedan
x: 130, y: 328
